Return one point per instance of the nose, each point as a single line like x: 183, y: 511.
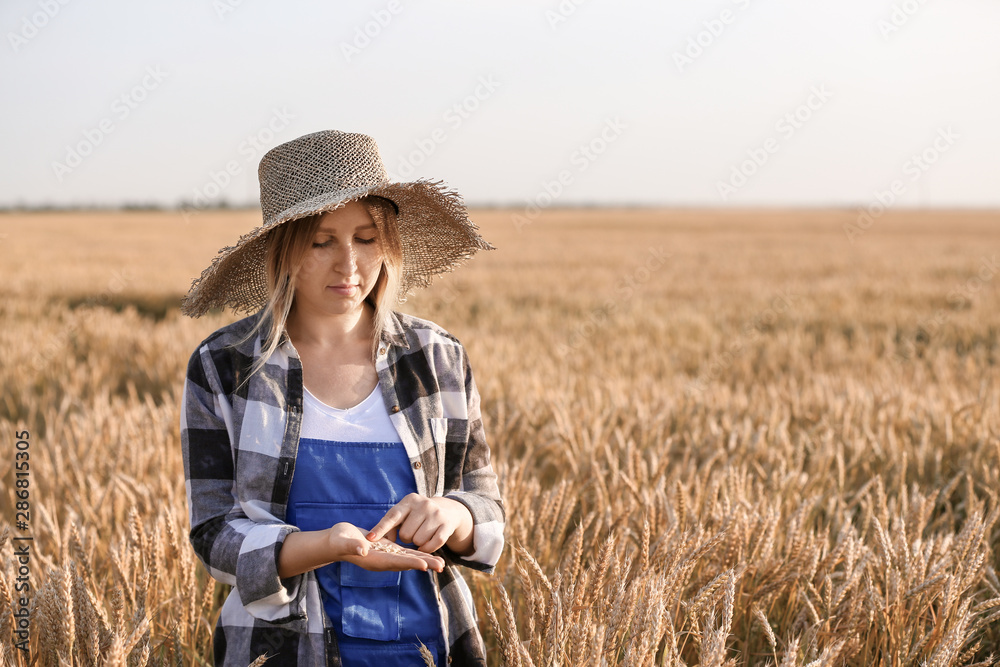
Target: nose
x: 345, y: 260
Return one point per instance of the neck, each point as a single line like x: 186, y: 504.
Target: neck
x: 326, y: 330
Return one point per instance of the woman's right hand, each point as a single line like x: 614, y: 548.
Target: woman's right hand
x: 349, y: 544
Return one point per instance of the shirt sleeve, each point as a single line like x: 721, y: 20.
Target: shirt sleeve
x: 478, y: 490
x: 234, y: 549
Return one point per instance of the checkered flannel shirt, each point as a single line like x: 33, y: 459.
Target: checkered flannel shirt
x: 239, y: 444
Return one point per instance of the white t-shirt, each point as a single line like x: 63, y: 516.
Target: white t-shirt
x: 368, y: 421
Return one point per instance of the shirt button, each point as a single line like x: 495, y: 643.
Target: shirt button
x: 395, y: 408
x: 416, y: 465
x: 381, y: 350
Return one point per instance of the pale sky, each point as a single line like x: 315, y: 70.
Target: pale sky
x: 720, y: 103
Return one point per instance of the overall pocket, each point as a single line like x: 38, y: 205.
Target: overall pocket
x: 371, y: 603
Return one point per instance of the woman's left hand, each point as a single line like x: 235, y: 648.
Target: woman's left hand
x: 429, y: 523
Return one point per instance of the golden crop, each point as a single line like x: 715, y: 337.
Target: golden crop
x: 723, y: 438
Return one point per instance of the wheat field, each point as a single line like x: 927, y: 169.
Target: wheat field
x: 723, y: 438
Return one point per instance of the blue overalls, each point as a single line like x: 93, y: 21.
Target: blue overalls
x: 378, y: 617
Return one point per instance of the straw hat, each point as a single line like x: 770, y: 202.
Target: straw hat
x: 321, y: 172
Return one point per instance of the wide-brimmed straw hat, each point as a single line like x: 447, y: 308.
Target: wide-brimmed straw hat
x: 321, y: 172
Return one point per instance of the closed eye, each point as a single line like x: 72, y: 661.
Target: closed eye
x: 327, y: 243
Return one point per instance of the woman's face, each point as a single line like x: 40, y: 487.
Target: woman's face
x: 340, y: 267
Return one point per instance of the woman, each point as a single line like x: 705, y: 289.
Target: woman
x: 325, y: 427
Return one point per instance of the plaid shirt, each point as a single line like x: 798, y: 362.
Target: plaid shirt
x: 239, y: 444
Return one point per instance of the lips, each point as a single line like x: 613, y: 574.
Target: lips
x: 345, y: 289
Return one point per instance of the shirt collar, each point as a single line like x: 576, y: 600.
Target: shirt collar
x: 394, y: 333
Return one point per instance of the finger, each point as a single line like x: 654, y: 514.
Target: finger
x: 412, y: 560
x: 430, y: 561
x: 410, y: 527
x: 392, y: 518
x: 426, y: 533
x: 436, y: 563
x: 363, y: 548
x: 358, y: 543
x: 348, y: 539
x: 379, y: 561
x: 436, y: 541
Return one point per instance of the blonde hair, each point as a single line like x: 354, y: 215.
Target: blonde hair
x: 286, y: 247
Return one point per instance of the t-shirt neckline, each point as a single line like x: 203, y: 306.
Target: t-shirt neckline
x: 363, y: 406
